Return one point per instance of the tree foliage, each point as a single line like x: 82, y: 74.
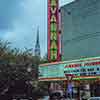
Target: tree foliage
x: 14, y: 64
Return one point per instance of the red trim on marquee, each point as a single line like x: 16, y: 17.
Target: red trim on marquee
x: 48, y: 29
x: 58, y: 53
x: 92, y: 63
x: 63, y: 78
x: 73, y: 65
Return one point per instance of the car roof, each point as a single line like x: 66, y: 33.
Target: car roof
x: 57, y: 92
x: 94, y: 98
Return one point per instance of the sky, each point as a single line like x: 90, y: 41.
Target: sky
x: 19, y: 20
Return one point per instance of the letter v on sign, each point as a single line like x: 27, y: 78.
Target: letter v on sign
x: 53, y: 10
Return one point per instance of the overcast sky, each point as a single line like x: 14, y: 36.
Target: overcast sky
x: 19, y: 20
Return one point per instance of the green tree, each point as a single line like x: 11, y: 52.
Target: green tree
x: 16, y: 62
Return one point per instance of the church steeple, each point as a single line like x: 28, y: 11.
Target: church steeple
x: 37, y: 41
x: 37, y: 45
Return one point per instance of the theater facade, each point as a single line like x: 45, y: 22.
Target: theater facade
x: 85, y: 71
x: 73, y: 47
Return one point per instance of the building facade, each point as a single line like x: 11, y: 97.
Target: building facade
x: 80, y: 29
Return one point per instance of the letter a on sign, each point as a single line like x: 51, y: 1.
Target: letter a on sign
x: 53, y: 18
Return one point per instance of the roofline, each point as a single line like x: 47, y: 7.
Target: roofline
x: 71, y: 61
x: 68, y: 4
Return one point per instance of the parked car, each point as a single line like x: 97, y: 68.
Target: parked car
x: 94, y: 98
x: 56, y: 95
x: 21, y: 97
x: 46, y: 98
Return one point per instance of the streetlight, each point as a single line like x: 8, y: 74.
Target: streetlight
x: 29, y: 69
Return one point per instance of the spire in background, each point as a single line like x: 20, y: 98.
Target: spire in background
x: 37, y: 45
x: 37, y: 41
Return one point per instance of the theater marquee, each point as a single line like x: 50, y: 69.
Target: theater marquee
x: 86, y: 68
x: 53, y: 31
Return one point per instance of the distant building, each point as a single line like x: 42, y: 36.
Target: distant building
x: 80, y: 29
x: 37, y: 45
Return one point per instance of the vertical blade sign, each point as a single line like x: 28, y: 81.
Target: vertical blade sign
x: 53, y: 31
